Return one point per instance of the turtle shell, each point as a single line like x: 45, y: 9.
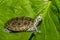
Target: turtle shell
x: 19, y: 24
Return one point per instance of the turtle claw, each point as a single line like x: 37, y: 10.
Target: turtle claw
x: 38, y: 31
x: 6, y: 30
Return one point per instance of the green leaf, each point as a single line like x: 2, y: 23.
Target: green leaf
x: 56, y: 8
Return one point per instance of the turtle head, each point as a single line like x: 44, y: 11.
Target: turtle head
x: 38, y: 19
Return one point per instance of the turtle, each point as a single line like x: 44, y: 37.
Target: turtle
x: 20, y: 24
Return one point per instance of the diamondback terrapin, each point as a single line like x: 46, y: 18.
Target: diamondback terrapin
x: 22, y: 24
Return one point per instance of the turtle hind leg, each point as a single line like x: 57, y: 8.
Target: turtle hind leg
x: 6, y: 30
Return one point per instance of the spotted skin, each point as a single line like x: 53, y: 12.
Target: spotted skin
x: 36, y: 21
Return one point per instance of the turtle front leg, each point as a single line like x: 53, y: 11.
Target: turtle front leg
x: 34, y: 28
x: 37, y: 29
x: 6, y: 30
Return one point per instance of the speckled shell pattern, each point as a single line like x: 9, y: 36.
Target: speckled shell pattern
x: 19, y: 24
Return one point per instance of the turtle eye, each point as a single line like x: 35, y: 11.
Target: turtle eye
x: 39, y: 18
